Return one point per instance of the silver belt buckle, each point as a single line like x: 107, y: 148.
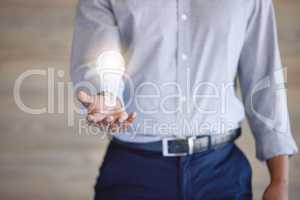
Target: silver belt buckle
x: 165, y: 146
x: 191, y: 144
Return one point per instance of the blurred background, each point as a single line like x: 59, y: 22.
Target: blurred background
x: 43, y: 158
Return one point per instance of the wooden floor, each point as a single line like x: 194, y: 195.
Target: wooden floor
x: 41, y: 158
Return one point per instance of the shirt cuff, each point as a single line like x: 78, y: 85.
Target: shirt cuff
x: 271, y: 144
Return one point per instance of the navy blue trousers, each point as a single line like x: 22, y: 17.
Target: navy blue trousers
x: 222, y: 174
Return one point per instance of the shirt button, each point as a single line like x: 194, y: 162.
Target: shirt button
x: 184, y: 17
x: 184, y: 57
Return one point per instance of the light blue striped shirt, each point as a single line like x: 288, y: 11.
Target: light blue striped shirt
x: 182, y: 59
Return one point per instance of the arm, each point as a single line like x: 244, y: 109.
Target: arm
x: 262, y: 83
x: 279, y: 169
x: 279, y: 172
x: 96, y: 35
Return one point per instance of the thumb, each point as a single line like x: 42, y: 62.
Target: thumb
x: 85, y: 98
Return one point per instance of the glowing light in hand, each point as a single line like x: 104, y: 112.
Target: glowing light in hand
x: 110, y: 68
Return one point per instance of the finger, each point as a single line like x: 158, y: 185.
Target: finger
x: 84, y: 98
x: 116, y: 117
x: 109, y: 119
x: 124, y: 126
x: 123, y: 117
x: 89, y: 122
x: 108, y: 128
x: 91, y: 108
x: 131, y: 117
x: 115, y: 121
x: 115, y: 128
x: 96, y: 117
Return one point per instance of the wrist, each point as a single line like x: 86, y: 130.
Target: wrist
x: 279, y: 169
x: 282, y: 181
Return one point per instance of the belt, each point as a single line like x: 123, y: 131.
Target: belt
x: 184, y: 146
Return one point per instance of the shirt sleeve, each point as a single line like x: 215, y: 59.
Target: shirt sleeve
x: 96, y: 33
x: 262, y: 83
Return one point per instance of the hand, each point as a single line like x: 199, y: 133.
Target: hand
x: 111, y: 118
x: 277, y: 190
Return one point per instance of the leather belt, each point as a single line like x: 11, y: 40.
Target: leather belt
x: 184, y: 146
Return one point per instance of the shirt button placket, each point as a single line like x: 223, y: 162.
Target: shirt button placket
x: 183, y: 60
